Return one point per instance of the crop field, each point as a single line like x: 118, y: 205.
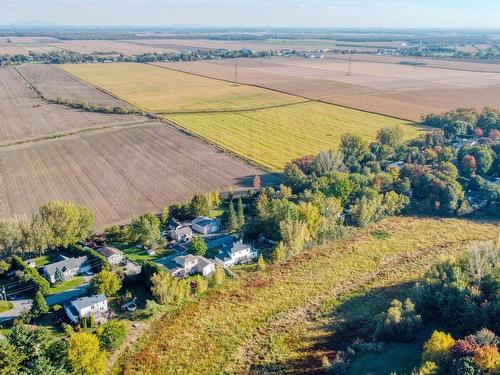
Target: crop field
x: 373, y: 83
x: 264, y: 126
x: 273, y: 137
x: 166, y: 91
x: 23, y: 116
x: 54, y: 82
x: 116, y: 172
x: 265, y: 322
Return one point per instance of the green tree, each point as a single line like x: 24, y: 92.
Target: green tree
x: 310, y: 214
x: 232, y: 218
x: 294, y: 234
x: 198, y: 246
x: 10, y: 359
x: 391, y: 136
x: 39, y: 306
x: 145, y: 230
x: 31, y: 343
x: 44, y: 365
x: 111, y: 335
x: 105, y: 282
x: 328, y: 162
x: 84, y: 354
x: 199, y: 205
x: 201, y: 284
x: 240, y: 213
x: 261, y: 263
x: 165, y: 215
x: 11, y: 237
x: 67, y: 223
x: 168, y: 290
x: 218, y: 276
x: 399, y: 323
x: 4, y: 266
x: 279, y: 253
x: 354, y: 149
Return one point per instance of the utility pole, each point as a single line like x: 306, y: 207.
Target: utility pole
x: 236, y: 71
x: 4, y: 294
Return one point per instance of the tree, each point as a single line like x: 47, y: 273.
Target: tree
x: 145, y: 230
x: 198, y: 246
x: 67, y: 223
x: 261, y: 263
x: 328, y: 162
x: 31, y: 343
x: 400, y: 322
x: 390, y: 136
x: 240, y: 213
x: 39, y: 306
x: 11, y: 238
x: 233, y: 223
x: 468, y: 165
x: 165, y: 215
x: 201, y: 284
x: 199, y: 205
x: 10, y: 359
x: 256, y: 182
x: 279, y: 253
x: 111, y: 335
x: 294, y: 234
x: 44, y: 365
x: 4, y: 267
x: 438, y: 349
x: 105, y: 282
x: 354, y: 149
x: 488, y: 359
x: 168, y: 290
x: 84, y: 354
x: 310, y: 214
x: 218, y: 277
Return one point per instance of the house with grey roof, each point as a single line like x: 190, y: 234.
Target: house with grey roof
x: 112, y: 254
x: 182, y: 265
x: 182, y: 234
x: 236, y: 253
x: 66, y: 269
x: 84, y: 307
x: 205, y: 225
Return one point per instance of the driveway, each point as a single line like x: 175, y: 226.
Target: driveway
x: 67, y: 295
x: 20, y: 306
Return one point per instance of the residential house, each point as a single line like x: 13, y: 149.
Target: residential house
x: 182, y: 234
x: 112, y: 254
x: 205, y: 225
x: 189, y: 264
x: 83, y: 307
x: 66, y: 269
x: 215, y: 242
x: 235, y: 254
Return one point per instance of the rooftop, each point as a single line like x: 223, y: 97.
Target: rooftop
x: 82, y: 302
x: 68, y: 263
x: 108, y: 251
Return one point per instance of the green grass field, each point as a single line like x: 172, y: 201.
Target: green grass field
x: 260, y: 125
x: 272, y: 137
x: 267, y: 321
x: 160, y: 90
x: 70, y: 284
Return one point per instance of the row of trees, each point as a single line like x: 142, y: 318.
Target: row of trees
x: 57, y: 224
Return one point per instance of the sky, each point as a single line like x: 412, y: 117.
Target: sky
x: 246, y: 13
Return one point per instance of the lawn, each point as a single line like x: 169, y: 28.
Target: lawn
x: 272, y: 137
x: 70, y: 284
x: 139, y: 254
x: 5, y: 306
x: 160, y: 90
x: 266, y: 127
x: 256, y: 317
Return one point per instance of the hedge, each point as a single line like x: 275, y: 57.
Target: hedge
x: 97, y: 261
x: 34, y: 278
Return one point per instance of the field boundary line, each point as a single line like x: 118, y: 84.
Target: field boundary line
x: 285, y: 93
x: 57, y: 136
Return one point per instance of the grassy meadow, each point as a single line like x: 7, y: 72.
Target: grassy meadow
x: 159, y: 90
x: 266, y: 127
x: 281, y: 319
x: 272, y: 137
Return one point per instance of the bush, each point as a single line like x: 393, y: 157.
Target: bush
x: 56, y: 308
x: 31, y: 276
x: 399, y: 323
x: 438, y: 349
x: 111, y: 335
x: 105, y: 282
x: 39, y: 306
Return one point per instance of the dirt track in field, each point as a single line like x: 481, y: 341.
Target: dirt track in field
x: 380, y: 85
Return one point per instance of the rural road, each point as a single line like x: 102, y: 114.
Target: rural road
x: 69, y: 294
x: 19, y: 307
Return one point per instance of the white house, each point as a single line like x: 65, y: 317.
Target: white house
x: 238, y: 253
x: 66, y: 269
x: 182, y: 234
x: 189, y: 264
x: 83, y: 307
x: 205, y: 225
x: 112, y: 254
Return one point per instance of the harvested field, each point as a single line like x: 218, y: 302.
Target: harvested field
x: 116, y: 172
x: 54, y: 82
x: 261, y: 125
x: 107, y: 47
x: 166, y: 91
x: 377, y: 85
x: 260, y: 321
x: 23, y: 116
x: 272, y: 137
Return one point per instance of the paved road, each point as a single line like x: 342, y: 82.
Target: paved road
x: 19, y: 307
x: 67, y: 295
